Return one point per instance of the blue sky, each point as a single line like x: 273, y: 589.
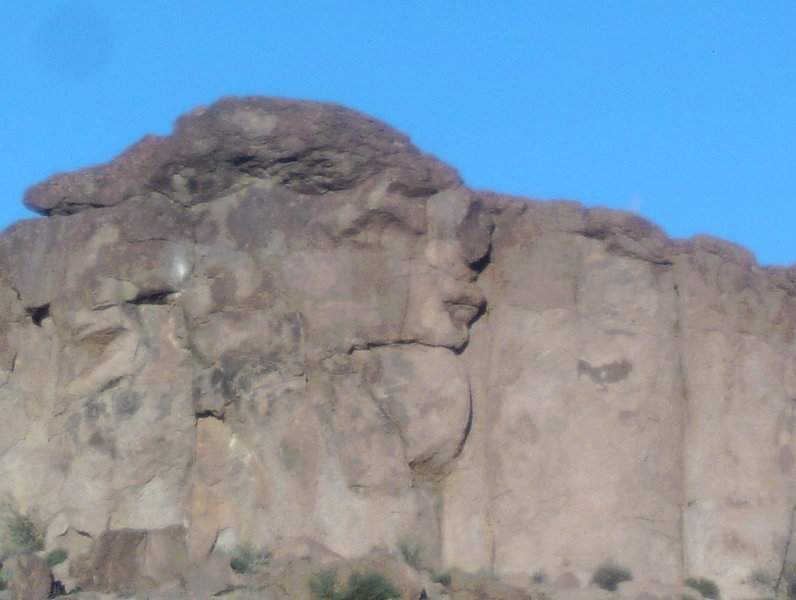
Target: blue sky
x: 683, y: 111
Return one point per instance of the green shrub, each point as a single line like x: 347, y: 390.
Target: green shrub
x: 56, y: 557
x: 608, y: 576
x: 322, y: 585
x: 247, y: 559
x: 706, y: 587
x: 370, y: 586
x: 412, y: 554
x: 19, y: 534
x: 5, y: 579
x: 443, y: 578
x: 361, y: 586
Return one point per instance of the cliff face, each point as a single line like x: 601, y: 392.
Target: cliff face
x: 633, y: 400
x: 283, y: 322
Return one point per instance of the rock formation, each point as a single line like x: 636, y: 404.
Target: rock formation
x: 283, y: 322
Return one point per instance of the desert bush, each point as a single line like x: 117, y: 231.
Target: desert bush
x: 56, y: 557
x: 322, y: 585
x: 411, y: 553
x: 18, y: 533
x: 706, y: 587
x: 5, y: 579
x: 370, y: 586
x: 361, y: 586
x: 608, y: 576
x: 443, y: 578
x: 247, y: 559
x: 24, y: 536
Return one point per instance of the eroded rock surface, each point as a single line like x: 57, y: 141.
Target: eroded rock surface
x: 284, y: 322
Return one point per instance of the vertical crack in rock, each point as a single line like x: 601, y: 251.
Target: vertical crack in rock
x: 786, y: 551
x: 683, y: 434
x: 685, y: 501
x: 486, y: 281
x: 469, y: 425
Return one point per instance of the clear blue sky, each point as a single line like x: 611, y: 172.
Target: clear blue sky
x: 684, y: 111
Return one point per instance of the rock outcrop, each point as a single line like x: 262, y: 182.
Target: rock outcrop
x: 284, y: 322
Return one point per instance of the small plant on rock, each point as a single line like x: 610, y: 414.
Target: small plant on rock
x: 370, y: 586
x: 608, y: 576
x: 322, y: 585
x: 18, y: 533
x: 56, y: 557
x: 361, y: 586
x: 246, y: 559
x: 706, y: 587
x: 24, y: 536
x: 411, y: 553
x: 539, y: 577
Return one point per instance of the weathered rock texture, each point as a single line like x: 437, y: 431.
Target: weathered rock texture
x: 284, y: 322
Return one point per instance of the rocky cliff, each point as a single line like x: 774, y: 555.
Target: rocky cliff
x: 284, y: 324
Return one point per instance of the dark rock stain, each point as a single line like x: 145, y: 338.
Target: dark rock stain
x: 607, y: 373
x: 126, y: 403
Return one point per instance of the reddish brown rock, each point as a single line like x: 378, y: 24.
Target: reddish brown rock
x: 306, y: 147
x: 31, y: 578
x: 134, y: 560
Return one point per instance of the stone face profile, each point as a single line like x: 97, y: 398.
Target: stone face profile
x: 283, y: 323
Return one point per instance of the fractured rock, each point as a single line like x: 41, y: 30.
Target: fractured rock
x: 285, y: 322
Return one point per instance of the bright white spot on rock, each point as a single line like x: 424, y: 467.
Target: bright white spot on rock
x: 179, y: 268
